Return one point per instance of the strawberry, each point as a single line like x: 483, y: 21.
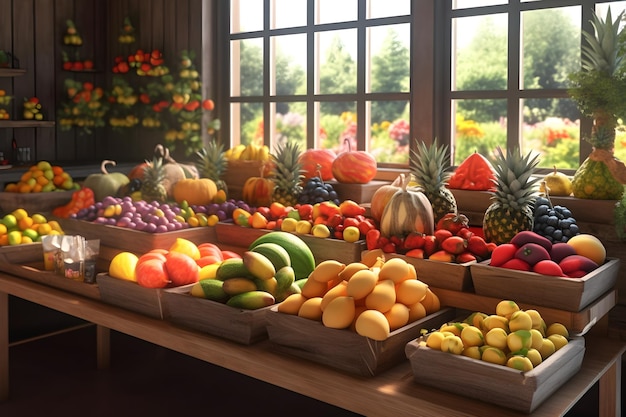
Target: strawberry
x: 365, y: 226
x: 454, y: 245
x: 372, y: 239
x: 430, y: 245
x: 389, y: 247
x: 414, y: 240
x: 502, y: 254
x: 442, y: 234
x: 478, y: 246
x: 452, y: 222
x: 398, y: 242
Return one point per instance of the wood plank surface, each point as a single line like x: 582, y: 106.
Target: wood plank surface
x: 392, y: 393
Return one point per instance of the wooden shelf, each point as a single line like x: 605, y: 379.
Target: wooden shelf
x: 12, y: 72
x: 394, y: 390
x: 26, y: 123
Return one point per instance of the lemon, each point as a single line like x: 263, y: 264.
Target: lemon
x: 187, y: 247
x: 39, y: 218
x: 20, y: 213
x: 208, y: 271
x: 123, y: 265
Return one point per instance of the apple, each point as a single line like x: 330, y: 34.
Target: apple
x: 351, y: 234
x: 350, y: 221
x: 303, y: 227
x: 181, y: 268
x: 305, y: 211
x: 152, y: 273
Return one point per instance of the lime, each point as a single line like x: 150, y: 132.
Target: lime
x: 30, y: 233
x: 10, y: 221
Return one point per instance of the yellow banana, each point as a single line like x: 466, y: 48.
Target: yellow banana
x: 264, y: 153
x: 236, y: 151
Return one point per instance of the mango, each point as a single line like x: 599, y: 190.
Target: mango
x: 251, y: 300
x: 339, y: 313
x: 373, y: 324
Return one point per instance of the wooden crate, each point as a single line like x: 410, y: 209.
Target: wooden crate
x: 26, y: 261
x: 344, y: 349
x: 497, y: 384
x: 323, y: 249
x: 361, y: 193
x: 131, y: 296
x: 237, y: 173
x: 133, y: 240
x: 446, y: 275
x: 34, y: 202
x: 570, y: 294
x: 217, y: 319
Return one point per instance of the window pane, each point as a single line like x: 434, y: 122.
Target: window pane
x: 550, y: 47
x: 337, y: 66
x: 616, y: 8
x: 247, y: 123
x: 390, y: 137
x: 546, y: 131
x: 290, y: 124
x: 480, y: 127
x: 289, y: 13
x: 329, y: 11
x: 246, y: 15
x: 247, y: 67
x: 289, y: 57
x: 466, y: 4
x: 389, y: 64
x: 337, y: 126
x: 479, y: 53
x: 387, y: 8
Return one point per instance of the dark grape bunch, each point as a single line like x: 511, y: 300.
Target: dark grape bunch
x: 555, y: 223
x: 315, y: 191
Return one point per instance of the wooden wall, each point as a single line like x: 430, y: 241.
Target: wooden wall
x: 33, y: 31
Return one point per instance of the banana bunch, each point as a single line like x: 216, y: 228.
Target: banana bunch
x: 251, y: 152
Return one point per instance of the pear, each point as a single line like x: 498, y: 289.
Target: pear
x: 558, y: 184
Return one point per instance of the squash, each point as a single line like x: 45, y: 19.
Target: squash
x: 408, y: 211
x: 258, y: 191
x: 106, y: 184
x: 354, y: 167
x: 318, y: 163
x: 195, y: 191
x: 382, y: 195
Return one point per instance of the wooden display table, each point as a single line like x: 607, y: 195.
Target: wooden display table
x: 392, y: 393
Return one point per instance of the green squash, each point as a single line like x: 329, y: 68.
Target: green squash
x: 593, y: 180
x: 106, y: 184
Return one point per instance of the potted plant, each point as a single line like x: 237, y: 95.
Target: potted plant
x: 599, y: 88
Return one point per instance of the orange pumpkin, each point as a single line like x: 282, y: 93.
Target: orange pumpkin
x: 318, y: 162
x: 200, y: 191
x: 382, y: 195
x: 258, y: 191
x: 354, y: 167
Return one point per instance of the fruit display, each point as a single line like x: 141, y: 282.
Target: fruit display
x: 383, y: 194
x: 71, y: 35
x: 180, y: 264
x: 555, y: 223
x: 475, y: 173
x: 32, y: 109
x: 43, y: 177
x: 77, y: 64
x: 127, y: 32
x: 105, y: 184
x: 372, y: 298
x: 81, y: 199
x: 529, y: 251
x: 212, y: 163
x: 353, y: 166
x: 511, y: 210
x: 519, y: 339
x: 250, y: 152
x: 315, y: 190
x: 259, y: 190
x: 20, y: 227
x: 451, y: 241
x: 432, y: 171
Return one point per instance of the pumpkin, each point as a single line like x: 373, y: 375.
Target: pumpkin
x: 474, y: 173
x: 318, y: 163
x: 382, y: 195
x: 195, y: 191
x: 105, y: 184
x: 354, y: 167
x: 258, y: 191
x: 407, y: 211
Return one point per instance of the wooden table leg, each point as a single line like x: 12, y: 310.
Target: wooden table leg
x: 103, y: 346
x: 4, y: 346
x: 610, y: 390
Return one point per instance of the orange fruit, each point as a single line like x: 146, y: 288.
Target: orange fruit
x: 589, y: 246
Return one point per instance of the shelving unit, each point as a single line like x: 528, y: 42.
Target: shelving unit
x: 12, y: 72
x: 14, y: 124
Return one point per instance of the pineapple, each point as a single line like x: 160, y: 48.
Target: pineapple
x: 287, y: 174
x: 432, y: 171
x: 598, y: 94
x: 152, y: 188
x: 212, y: 164
x: 515, y: 194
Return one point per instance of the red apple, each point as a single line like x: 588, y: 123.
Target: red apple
x: 152, y: 274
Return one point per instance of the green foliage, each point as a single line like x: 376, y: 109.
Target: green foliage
x: 332, y: 126
x: 593, y: 91
x: 494, y: 136
x: 337, y: 76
